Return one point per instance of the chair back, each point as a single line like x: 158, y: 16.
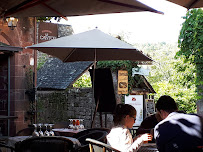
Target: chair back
x: 98, y: 146
x: 87, y: 131
x: 25, y: 132
x: 94, y: 134
x: 46, y: 143
x: 5, y: 147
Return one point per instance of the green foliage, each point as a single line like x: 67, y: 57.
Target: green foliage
x: 191, y: 43
x: 41, y: 59
x: 120, y: 65
x: 45, y: 19
x: 83, y: 82
x: 171, y: 76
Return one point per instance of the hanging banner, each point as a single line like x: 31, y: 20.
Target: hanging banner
x: 137, y: 102
x: 122, y: 82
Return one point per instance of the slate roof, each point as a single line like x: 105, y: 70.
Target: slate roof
x: 56, y: 75
x: 5, y: 48
x: 142, y: 85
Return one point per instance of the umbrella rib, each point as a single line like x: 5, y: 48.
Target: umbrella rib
x: 73, y: 50
x: 191, y: 4
x: 131, y: 6
x: 55, y: 11
x: 22, y: 6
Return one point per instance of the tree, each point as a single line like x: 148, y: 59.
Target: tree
x: 83, y: 82
x: 171, y: 76
x: 191, y: 45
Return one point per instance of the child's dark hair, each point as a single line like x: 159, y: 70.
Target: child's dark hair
x: 121, y: 111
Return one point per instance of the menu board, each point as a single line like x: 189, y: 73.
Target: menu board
x: 150, y: 106
x: 137, y: 102
x: 122, y: 82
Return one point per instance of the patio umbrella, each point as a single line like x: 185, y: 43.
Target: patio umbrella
x: 37, y: 8
x: 189, y: 3
x: 92, y: 45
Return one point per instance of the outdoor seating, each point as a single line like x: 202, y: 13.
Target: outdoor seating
x: 3, y: 145
x: 87, y: 131
x: 47, y: 143
x: 96, y: 134
x: 98, y: 146
x: 25, y: 132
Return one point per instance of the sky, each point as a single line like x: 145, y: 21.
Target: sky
x: 137, y: 27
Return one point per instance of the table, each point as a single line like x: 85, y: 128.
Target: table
x: 11, y: 141
x: 66, y: 131
x: 148, y: 147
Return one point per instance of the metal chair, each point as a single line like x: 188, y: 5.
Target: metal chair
x: 87, y: 131
x: 25, y: 132
x: 3, y: 145
x: 97, y: 146
x: 97, y: 135
x: 46, y: 143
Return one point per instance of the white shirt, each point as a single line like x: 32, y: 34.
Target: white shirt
x: 120, y: 138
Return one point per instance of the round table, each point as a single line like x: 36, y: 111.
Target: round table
x: 66, y: 131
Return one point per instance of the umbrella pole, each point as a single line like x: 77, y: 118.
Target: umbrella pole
x: 93, y: 86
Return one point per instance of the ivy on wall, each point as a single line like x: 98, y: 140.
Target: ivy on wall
x: 191, y: 44
x: 121, y: 65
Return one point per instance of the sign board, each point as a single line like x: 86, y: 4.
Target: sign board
x: 140, y: 71
x: 122, y: 82
x: 47, y: 31
x: 150, y: 106
x: 137, y: 102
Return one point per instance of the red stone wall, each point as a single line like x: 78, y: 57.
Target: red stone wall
x: 23, y: 35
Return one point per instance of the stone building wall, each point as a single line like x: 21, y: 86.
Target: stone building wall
x: 59, y: 106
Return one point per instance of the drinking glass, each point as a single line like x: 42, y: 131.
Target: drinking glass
x: 40, y: 130
x: 74, y: 124
x: 35, y: 133
x: 77, y: 122
x: 81, y: 124
x: 51, y: 132
x: 70, y: 123
x: 46, y: 133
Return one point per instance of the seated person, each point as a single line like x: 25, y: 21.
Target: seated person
x: 177, y: 132
x: 120, y: 137
x: 148, y: 124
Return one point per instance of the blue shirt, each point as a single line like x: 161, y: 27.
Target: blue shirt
x: 178, y: 133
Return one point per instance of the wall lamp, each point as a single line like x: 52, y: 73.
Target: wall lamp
x: 12, y: 22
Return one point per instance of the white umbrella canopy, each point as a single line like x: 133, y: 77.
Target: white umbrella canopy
x: 39, y: 8
x: 188, y: 3
x: 92, y: 45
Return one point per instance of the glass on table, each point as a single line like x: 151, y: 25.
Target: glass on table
x: 70, y: 124
x: 46, y: 133
x: 40, y: 129
x: 51, y: 132
x: 82, y: 124
x: 74, y: 122
x: 77, y: 122
x: 35, y: 133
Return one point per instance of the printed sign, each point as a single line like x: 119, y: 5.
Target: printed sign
x: 137, y: 102
x: 47, y: 32
x: 150, y: 106
x: 122, y: 82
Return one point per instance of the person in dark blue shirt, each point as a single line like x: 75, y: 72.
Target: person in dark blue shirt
x: 177, y: 132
